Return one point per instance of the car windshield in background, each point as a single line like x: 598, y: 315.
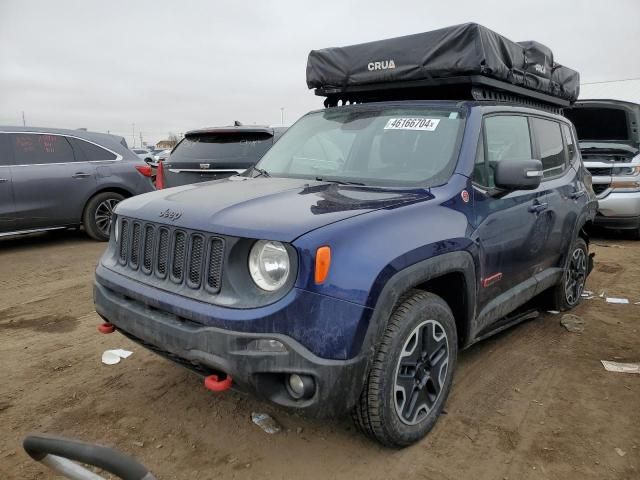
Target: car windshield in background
x: 371, y: 145
x: 230, y: 147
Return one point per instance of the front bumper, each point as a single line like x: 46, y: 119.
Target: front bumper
x: 207, y: 349
x: 619, y: 210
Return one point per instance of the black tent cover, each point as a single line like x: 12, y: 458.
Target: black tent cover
x: 458, y: 51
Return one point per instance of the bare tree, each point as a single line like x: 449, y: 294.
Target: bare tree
x: 173, y: 139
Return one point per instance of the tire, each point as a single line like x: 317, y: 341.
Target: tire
x: 98, y: 210
x: 564, y: 296
x: 385, y: 411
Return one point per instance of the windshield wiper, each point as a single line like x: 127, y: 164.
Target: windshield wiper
x: 261, y: 171
x: 339, y: 182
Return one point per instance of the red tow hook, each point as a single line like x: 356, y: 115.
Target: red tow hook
x: 106, y: 327
x: 213, y: 383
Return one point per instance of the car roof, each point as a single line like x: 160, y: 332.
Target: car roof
x: 233, y: 129
x: 104, y: 139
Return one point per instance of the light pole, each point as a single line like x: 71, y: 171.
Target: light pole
x: 282, y: 116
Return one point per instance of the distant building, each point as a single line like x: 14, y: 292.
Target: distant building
x: 166, y: 144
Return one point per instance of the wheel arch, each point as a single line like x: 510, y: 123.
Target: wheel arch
x: 115, y: 189
x: 450, y: 275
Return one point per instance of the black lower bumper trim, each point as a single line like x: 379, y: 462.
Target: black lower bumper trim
x: 207, y: 350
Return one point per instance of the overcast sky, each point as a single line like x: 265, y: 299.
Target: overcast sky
x: 174, y: 66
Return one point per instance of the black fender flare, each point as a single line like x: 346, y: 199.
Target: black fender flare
x: 412, y: 276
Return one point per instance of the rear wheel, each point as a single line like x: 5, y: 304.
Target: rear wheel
x: 98, y: 213
x: 411, y: 374
x: 568, y: 291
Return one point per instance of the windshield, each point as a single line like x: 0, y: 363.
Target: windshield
x: 229, y: 147
x: 372, y: 145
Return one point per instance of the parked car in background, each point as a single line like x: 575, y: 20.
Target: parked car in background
x: 53, y: 178
x: 609, y: 139
x: 218, y: 152
x: 160, y: 156
x: 143, y: 154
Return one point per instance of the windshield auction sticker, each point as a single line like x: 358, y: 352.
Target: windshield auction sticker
x: 428, y: 124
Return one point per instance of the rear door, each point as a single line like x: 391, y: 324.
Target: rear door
x: 211, y: 156
x: 51, y: 181
x: 7, y: 208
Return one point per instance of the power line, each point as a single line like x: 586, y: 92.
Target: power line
x: 612, y: 81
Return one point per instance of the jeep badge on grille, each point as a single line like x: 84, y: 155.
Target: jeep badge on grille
x: 170, y: 214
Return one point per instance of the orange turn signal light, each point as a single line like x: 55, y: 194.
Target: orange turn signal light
x: 323, y: 263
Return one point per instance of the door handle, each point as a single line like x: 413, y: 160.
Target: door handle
x: 81, y: 175
x: 4, y: 180
x: 538, y: 207
x: 577, y: 194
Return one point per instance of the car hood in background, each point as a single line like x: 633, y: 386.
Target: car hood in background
x: 270, y: 208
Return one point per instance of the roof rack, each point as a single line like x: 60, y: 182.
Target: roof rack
x: 472, y: 87
x: 462, y: 62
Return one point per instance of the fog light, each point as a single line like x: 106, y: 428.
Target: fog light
x: 267, y: 345
x: 300, y: 386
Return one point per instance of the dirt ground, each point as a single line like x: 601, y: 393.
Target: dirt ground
x: 531, y: 403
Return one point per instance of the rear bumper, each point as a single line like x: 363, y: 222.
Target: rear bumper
x: 619, y: 211
x: 207, y: 349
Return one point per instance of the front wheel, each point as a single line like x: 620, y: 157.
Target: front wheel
x: 98, y: 213
x: 568, y: 291
x: 412, y: 372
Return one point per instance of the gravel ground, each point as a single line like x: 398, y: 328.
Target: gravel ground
x: 531, y: 403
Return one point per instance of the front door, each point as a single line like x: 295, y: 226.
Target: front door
x: 49, y: 183
x: 512, y: 230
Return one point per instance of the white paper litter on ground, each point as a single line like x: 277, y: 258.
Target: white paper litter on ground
x: 111, y: 357
x: 621, y: 367
x: 617, y: 300
x: 266, y: 422
x: 554, y: 312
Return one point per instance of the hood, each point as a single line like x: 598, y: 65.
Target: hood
x: 269, y: 208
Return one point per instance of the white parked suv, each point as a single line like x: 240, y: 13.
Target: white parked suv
x: 609, y: 138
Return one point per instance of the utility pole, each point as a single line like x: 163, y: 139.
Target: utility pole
x: 133, y: 134
x: 141, y: 144
x: 24, y: 123
x: 282, y: 116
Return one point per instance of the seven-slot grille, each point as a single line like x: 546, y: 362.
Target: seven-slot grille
x: 172, y: 254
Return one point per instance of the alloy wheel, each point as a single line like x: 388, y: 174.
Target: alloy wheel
x: 421, y: 372
x: 575, y: 276
x: 104, y: 212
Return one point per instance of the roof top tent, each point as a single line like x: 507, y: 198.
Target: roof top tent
x: 465, y: 61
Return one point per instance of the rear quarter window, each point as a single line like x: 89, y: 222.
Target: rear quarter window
x: 91, y: 152
x: 222, y: 147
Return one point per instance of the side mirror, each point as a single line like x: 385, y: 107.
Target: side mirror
x: 518, y: 174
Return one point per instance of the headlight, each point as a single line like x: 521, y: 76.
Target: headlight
x: 269, y: 264
x: 116, y: 227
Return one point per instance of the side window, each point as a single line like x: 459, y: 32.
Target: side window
x: 550, y: 146
x: 31, y: 148
x: 506, y: 137
x: 568, y: 141
x: 92, y: 152
x: 5, y: 153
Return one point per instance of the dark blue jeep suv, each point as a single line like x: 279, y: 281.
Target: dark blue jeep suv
x: 368, y: 246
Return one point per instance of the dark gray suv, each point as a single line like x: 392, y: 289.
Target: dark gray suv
x: 52, y: 178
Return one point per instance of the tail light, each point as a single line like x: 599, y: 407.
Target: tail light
x: 144, y: 170
x: 160, y: 176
